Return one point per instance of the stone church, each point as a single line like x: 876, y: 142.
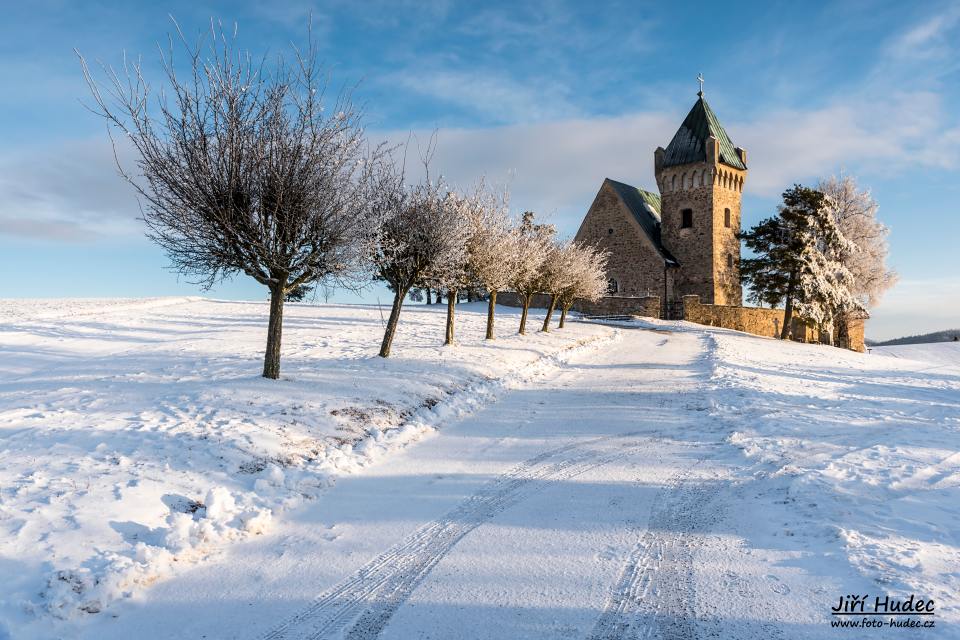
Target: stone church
x: 682, y: 241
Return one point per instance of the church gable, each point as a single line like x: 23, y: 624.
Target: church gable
x: 644, y: 208
x: 623, y: 220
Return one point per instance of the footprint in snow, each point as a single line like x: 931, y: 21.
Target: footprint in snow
x: 777, y: 586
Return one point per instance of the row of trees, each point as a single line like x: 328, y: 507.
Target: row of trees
x: 822, y: 256
x: 434, y: 238
x: 243, y: 167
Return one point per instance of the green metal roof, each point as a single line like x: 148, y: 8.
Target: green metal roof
x: 689, y: 143
x: 645, y: 207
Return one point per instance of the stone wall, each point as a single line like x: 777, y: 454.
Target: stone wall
x: 512, y: 299
x: 764, y: 322
x: 854, y: 338
x: 708, y: 251
x: 759, y: 322
x: 634, y: 262
x: 647, y: 306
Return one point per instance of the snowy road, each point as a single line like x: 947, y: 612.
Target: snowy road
x: 576, y: 508
x: 610, y: 498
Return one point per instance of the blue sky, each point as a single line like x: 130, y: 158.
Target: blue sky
x: 548, y: 97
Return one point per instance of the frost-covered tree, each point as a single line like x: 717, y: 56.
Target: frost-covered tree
x: 534, y: 243
x: 244, y: 167
x: 492, y: 248
x: 453, y: 274
x: 422, y: 237
x: 825, y: 285
x: 796, y: 260
x: 589, y: 265
x: 559, y: 273
x: 855, y: 213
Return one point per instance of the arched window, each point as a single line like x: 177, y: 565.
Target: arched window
x: 612, y: 286
x: 673, y: 183
x: 726, y: 218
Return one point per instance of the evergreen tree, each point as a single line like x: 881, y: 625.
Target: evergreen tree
x: 796, y: 260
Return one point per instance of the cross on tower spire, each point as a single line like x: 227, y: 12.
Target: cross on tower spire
x: 700, y: 80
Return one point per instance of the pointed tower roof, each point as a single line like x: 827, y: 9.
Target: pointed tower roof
x: 689, y: 143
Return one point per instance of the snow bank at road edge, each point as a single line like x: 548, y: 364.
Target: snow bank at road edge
x: 194, y: 531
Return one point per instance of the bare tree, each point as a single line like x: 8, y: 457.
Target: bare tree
x: 241, y: 168
x: 422, y: 237
x: 533, y: 247
x: 492, y: 248
x: 589, y: 266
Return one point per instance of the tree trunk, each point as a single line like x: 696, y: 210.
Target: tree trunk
x: 490, y: 308
x: 451, y: 308
x: 469, y: 295
x: 523, y: 316
x: 429, y: 296
x: 550, y: 309
x: 563, y: 313
x: 788, y: 307
x: 271, y: 359
x: 392, y: 322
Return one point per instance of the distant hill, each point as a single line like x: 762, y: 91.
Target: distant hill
x: 937, y: 336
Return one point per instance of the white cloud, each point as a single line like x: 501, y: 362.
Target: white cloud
x: 927, y: 40
x: 68, y: 192
x: 558, y: 166
x: 554, y: 167
x: 492, y: 95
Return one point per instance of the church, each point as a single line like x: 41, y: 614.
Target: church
x: 681, y: 241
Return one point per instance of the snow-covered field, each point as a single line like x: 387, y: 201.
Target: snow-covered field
x: 864, y: 450
x: 939, y: 354
x: 136, y: 436
x: 652, y: 480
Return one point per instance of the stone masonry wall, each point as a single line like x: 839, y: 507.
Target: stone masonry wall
x: 634, y: 262
x: 759, y: 322
x: 727, y: 194
x: 762, y: 322
x: 708, y: 251
x: 689, y: 187
x: 855, y: 335
x: 647, y: 306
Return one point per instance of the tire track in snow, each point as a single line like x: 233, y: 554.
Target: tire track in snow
x: 370, y: 597
x: 655, y: 593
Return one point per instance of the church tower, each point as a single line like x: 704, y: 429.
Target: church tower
x: 700, y: 175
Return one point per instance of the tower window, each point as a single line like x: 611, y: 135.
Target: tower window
x: 729, y: 259
x: 686, y: 218
x: 612, y: 286
x: 726, y: 217
x: 609, y: 232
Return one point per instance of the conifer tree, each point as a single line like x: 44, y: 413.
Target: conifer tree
x: 796, y: 260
